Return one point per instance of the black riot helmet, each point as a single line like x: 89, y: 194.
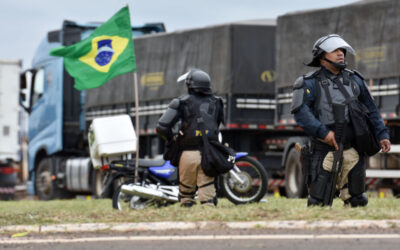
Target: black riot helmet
x: 197, y: 81
x: 327, y: 44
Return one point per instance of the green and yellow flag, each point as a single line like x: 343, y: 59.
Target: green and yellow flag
x: 106, y: 53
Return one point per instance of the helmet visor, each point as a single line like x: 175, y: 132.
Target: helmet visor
x: 336, y: 42
x: 182, y: 78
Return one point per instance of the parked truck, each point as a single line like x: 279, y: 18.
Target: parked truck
x: 58, y: 161
x: 10, y: 139
x: 372, y: 29
x: 238, y: 56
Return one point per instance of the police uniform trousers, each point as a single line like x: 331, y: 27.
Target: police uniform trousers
x: 191, y: 175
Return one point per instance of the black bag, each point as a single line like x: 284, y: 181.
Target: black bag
x: 172, y: 152
x: 216, y: 158
x: 364, y: 131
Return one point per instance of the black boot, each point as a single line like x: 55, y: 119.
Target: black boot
x: 357, y: 201
x: 313, y: 202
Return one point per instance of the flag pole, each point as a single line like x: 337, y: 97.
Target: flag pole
x: 135, y: 85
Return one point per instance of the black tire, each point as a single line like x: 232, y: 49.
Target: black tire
x: 117, y: 199
x: 7, y: 192
x: 7, y: 186
x: 123, y: 202
x: 256, y: 182
x: 46, y: 188
x: 294, y: 179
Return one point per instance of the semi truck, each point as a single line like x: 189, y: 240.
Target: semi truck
x: 59, y: 115
x: 372, y: 29
x: 10, y: 136
x: 58, y: 156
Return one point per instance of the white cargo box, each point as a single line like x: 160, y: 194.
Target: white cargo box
x: 9, y: 109
x: 111, y: 137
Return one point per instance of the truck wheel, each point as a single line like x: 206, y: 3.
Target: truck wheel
x: 98, y: 183
x: 46, y: 188
x: 43, y: 183
x: 294, y: 178
x: 7, y: 186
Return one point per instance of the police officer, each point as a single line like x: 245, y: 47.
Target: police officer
x: 199, y: 103
x: 313, y: 96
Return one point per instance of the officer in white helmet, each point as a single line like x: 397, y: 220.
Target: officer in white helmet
x: 313, y: 97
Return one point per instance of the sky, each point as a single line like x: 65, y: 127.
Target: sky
x: 24, y: 23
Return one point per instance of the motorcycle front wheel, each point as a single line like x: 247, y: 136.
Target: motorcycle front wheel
x: 254, y: 186
x: 122, y: 201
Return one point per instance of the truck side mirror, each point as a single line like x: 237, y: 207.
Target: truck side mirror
x: 22, y: 81
x: 24, y: 90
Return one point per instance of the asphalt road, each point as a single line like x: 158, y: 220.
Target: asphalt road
x: 368, y: 239
x: 366, y: 244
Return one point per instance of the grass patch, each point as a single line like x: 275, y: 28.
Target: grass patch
x: 92, y: 211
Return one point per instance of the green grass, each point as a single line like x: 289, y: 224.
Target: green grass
x: 90, y: 211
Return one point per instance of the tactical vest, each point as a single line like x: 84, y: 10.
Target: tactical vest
x: 194, y: 106
x: 323, y: 110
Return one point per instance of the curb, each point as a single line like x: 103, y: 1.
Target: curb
x: 161, y: 226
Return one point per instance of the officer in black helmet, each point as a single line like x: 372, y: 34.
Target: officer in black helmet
x: 313, y: 96
x: 200, y: 102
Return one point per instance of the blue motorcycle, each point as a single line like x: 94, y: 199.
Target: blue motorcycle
x: 157, y: 182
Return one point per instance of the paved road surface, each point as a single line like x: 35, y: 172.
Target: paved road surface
x: 208, y: 239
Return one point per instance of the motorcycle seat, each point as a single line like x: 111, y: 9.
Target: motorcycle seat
x: 151, y: 162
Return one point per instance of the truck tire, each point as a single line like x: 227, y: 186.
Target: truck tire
x: 7, y: 186
x: 295, y: 186
x: 46, y: 188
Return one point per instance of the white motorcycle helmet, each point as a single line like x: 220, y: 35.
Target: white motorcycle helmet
x: 328, y: 44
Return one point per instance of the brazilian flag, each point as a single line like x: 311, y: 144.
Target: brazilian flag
x: 106, y: 53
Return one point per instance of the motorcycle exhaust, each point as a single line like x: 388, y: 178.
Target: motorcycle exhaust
x: 147, y: 192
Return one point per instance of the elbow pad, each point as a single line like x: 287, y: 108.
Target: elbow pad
x: 298, y: 95
x: 168, y: 119
x: 170, y: 116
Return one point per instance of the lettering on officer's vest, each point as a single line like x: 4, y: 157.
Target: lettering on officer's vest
x: 198, y: 133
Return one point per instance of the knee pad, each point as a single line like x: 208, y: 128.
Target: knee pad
x: 357, y: 179
x: 358, y: 201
